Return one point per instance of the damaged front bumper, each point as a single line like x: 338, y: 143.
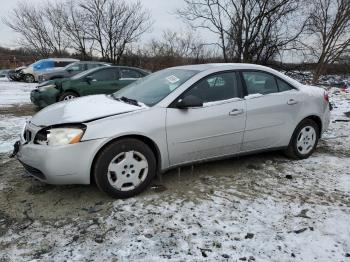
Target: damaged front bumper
x: 66, y: 164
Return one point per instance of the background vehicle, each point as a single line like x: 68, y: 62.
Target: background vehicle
x: 4, y: 72
x: 15, y: 74
x: 68, y: 71
x: 171, y: 118
x: 101, y: 80
x: 30, y: 74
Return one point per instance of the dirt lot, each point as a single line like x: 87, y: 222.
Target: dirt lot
x: 258, y: 208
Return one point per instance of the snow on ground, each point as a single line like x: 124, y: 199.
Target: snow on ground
x: 258, y: 208
x: 268, y: 219
x: 338, y: 134
x: 14, y: 92
x: 10, y: 127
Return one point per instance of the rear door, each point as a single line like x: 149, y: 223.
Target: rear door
x: 272, y: 109
x: 214, y: 130
x: 103, y: 81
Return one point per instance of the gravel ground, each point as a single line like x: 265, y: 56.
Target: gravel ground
x: 263, y: 207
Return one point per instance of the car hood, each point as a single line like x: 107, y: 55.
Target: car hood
x: 58, y: 82
x: 81, y: 110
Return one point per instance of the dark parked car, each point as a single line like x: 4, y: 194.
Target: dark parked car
x: 101, y: 80
x: 69, y: 70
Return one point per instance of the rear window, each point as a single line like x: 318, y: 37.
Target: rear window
x: 283, y: 86
x: 130, y: 73
x: 62, y: 63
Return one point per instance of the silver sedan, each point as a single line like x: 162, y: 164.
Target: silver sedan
x: 174, y: 117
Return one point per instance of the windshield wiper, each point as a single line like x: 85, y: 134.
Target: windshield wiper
x: 127, y: 100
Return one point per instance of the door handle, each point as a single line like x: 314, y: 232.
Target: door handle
x: 236, y: 112
x: 292, y: 102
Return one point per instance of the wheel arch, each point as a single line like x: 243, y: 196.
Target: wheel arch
x: 317, y: 120
x: 148, y: 141
x: 314, y: 118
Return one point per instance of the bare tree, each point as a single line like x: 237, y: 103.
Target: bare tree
x: 39, y: 29
x: 54, y: 14
x: 247, y: 30
x: 114, y: 24
x: 329, y: 29
x: 74, y: 23
x: 176, y: 48
x: 177, y: 44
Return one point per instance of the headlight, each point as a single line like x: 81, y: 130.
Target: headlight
x: 59, y: 136
x: 44, y: 88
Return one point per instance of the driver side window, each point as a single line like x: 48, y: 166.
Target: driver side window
x: 76, y: 67
x: 216, y: 87
x: 109, y: 74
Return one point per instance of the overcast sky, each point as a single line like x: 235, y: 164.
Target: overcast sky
x: 161, y: 11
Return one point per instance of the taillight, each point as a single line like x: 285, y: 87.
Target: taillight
x: 326, y: 97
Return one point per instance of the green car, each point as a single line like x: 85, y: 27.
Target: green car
x: 101, y: 80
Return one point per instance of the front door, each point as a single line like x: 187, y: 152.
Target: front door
x: 103, y: 81
x: 214, y: 130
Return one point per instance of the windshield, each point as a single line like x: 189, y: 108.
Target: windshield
x: 155, y: 87
x: 71, y: 65
x: 36, y: 63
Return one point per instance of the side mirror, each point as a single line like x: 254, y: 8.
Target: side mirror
x: 69, y: 70
x: 89, y: 79
x: 189, y: 101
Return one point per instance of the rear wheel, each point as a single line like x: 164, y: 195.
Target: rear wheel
x: 67, y: 96
x: 304, y: 140
x: 28, y: 78
x: 124, y: 168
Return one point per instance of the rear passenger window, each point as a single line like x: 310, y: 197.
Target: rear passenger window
x: 283, y: 86
x: 129, y: 73
x: 108, y: 74
x: 260, y: 83
x: 216, y: 88
x: 63, y: 63
x: 90, y: 66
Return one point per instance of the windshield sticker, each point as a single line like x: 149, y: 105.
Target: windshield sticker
x: 172, y: 79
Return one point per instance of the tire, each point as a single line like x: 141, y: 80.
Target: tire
x: 304, y: 140
x: 28, y: 78
x: 124, y: 168
x: 67, y: 96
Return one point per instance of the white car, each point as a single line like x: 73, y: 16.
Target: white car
x: 31, y: 73
x: 174, y: 117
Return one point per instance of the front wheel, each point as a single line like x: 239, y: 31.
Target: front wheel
x: 67, y: 96
x: 124, y: 168
x: 304, y: 140
x: 28, y: 78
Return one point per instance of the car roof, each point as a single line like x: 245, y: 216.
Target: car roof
x: 93, y: 62
x: 237, y: 66
x: 223, y: 66
x: 62, y: 59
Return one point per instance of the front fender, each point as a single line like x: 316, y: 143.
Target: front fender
x: 148, y: 123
